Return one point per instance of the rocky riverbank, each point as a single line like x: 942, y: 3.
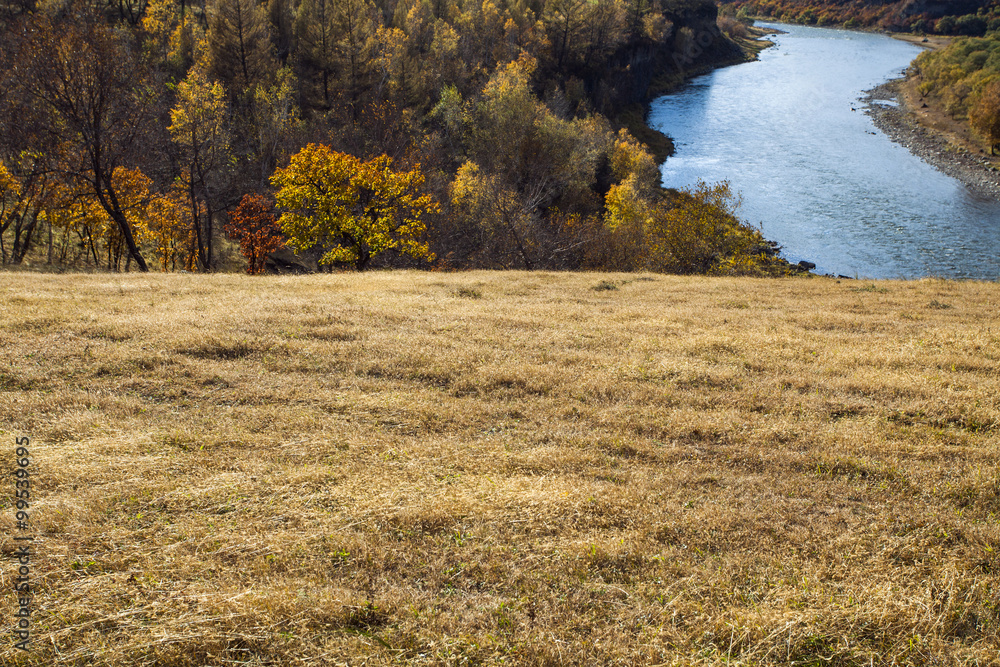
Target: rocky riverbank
x: 899, y: 123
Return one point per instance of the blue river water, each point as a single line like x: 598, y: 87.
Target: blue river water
x: 790, y: 134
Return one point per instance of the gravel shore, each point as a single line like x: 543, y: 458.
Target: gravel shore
x: 900, y: 126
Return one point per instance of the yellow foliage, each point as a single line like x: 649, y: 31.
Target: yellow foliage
x: 8, y: 184
x: 701, y: 233
x: 984, y: 114
x: 133, y: 188
x: 352, y: 210
x: 485, y: 198
x: 630, y: 159
x: 465, y: 190
x: 694, y: 231
x: 175, y: 42
x: 167, y: 228
x: 625, y: 206
x: 198, y: 120
x: 160, y: 18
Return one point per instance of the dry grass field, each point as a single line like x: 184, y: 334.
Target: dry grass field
x: 503, y: 468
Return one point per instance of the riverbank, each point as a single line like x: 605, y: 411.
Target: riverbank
x: 925, y: 41
x: 931, y: 135
x: 929, y: 132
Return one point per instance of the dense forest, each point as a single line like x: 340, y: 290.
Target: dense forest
x: 215, y: 135
x: 943, y: 17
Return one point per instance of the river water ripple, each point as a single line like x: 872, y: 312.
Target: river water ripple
x: 789, y: 132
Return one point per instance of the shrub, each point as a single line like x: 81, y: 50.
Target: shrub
x: 699, y: 232
x: 694, y: 230
x: 945, y: 25
x: 732, y: 27
x: 255, y: 227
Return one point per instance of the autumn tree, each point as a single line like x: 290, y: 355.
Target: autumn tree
x: 522, y: 160
x: 168, y: 228
x: 337, y: 42
x: 27, y: 148
x: 402, y: 76
x: 482, y: 26
x: 10, y: 209
x: 984, y: 116
x: 96, y: 99
x: 700, y: 232
x: 273, y: 122
x: 356, y: 24
x: 26, y: 190
x: 171, y: 37
x: 255, y: 227
x: 352, y: 210
x: 606, y: 29
x: 199, y: 127
x: 62, y: 217
x: 135, y: 189
x: 637, y: 13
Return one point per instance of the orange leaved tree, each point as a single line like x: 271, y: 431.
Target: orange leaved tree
x: 255, y: 227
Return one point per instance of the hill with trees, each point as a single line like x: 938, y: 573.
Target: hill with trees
x: 943, y: 17
x: 963, y: 79
x: 131, y: 131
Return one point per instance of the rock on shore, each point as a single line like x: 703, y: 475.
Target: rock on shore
x: 900, y: 126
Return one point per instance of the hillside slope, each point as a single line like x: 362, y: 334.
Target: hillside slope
x: 539, y: 468
x: 945, y: 17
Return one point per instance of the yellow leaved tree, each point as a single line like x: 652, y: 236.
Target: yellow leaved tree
x: 199, y: 128
x: 167, y: 229
x: 984, y: 115
x: 351, y: 210
x: 701, y: 232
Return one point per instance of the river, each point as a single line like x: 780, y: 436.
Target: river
x: 790, y: 134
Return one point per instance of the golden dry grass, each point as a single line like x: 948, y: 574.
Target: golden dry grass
x: 516, y: 468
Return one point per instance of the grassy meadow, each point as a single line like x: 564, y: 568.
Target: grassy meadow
x: 503, y: 468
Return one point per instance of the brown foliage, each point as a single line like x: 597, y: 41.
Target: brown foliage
x: 255, y: 226
x: 732, y: 27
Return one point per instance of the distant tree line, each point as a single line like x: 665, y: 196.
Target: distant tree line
x: 958, y: 17
x: 205, y: 134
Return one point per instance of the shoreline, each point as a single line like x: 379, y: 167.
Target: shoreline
x: 899, y: 123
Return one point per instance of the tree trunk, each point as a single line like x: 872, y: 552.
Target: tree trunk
x: 109, y: 202
x: 21, y: 249
x: 126, y: 231
x: 209, y: 229
x: 363, y: 258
